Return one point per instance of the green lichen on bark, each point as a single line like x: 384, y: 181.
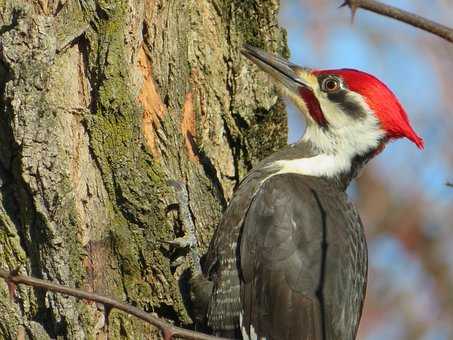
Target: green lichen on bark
x: 133, y: 179
x: 83, y: 199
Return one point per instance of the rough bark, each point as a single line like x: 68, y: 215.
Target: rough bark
x: 103, y: 101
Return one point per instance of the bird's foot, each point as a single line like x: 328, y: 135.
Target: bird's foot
x: 189, y: 240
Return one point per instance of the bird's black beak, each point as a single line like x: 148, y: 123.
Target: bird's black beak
x: 290, y: 75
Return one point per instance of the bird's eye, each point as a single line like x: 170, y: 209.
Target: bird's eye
x: 330, y: 85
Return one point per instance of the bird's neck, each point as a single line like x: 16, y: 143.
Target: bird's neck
x: 318, y: 155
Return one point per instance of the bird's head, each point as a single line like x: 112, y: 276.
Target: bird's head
x: 348, y: 112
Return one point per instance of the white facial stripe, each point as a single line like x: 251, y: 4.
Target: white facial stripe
x: 344, y: 138
x: 353, y: 136
x: 320, y: 165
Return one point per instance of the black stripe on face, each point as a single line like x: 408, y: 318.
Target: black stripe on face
x: 348, y: 104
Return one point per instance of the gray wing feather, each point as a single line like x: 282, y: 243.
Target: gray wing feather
x: 222, y: 262
x: 281, y: 261
x: 293, y: 253
x: 300, y: 270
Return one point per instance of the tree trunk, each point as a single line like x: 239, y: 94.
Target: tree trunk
x: 102, y: 102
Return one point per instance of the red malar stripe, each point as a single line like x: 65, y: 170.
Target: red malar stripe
x: 313, y: 106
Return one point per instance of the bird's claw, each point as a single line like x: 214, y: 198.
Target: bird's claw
x: 188, y: 240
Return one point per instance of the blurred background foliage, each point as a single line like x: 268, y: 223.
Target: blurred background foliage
x: 402, y: 195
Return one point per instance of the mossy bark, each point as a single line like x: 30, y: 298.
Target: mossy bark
x: 103, y: 101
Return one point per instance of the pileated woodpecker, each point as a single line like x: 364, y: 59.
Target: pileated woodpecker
x: 289, y: 258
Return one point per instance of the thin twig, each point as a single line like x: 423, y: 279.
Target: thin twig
x: 169, y: 331
x: 401, y: 15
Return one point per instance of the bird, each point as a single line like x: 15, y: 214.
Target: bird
x: 289, y: 258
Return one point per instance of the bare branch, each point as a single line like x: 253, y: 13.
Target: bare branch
x: 401, y: 15
x: 449, y: 184
x: 169, y: 331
